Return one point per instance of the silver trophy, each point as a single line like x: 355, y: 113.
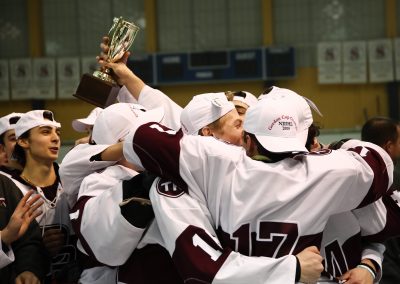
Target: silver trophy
x: 122, y: 34
x: 100, y: 89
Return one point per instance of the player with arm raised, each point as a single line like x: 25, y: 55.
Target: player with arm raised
x: 90, y: 213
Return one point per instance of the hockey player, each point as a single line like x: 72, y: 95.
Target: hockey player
x: 37, y: 148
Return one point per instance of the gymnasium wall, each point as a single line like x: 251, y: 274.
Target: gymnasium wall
x: 71, y: 27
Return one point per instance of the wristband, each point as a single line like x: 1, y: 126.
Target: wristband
x: 298, y: 270
x: 368, y: 268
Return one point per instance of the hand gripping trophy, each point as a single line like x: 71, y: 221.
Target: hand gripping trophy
x: 100, y: 89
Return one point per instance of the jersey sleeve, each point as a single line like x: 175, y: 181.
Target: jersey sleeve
x: 372, y: 158
x: 124, y: 96
x: 76, y: 165
x: 161, y: 156
x: 104, y: 234
x: 375, y: 252
x: 381, y: 219
x: 187, y: 229
x: 152, y: 98
x: 379, y: 222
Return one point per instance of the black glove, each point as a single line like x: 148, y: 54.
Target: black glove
x: 136, y: 207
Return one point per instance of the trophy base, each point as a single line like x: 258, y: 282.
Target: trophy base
x: 96, y: 91
x: 104, y: 76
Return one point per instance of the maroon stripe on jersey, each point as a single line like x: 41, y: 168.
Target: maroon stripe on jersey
x: 76, y: 224
x: 380, y: 182
x: 158, y: 148
x: 149, y: 265
x: 197, y: 256
x: 392, y: 226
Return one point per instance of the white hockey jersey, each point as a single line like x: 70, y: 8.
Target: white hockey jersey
x: 258, y: 209
x: 98, y: 192
x: 97, y: 213
x: 106, y: 236
x: 55, y: 208
x: 55, y: 216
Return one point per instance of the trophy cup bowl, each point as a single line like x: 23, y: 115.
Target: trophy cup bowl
x: 100, y: 89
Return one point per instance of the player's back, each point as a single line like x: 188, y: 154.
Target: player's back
x: 275, y: 208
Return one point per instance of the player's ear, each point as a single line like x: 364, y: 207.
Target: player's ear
x: 206, y: 131
x: 23, y: 142
x: 388, y: 147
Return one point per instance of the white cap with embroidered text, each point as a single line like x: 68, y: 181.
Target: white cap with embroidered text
x: 202, y: 110
x: 114, y: 122
x: 35, y: 118
x: 8, y: 121
x: 81, y: 124
x: 280, y: 121
x: 246, y: 98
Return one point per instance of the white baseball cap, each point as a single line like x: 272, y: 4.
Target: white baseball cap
x: 275, y: 89
x: 80, y: 124
x: 114, y: 122
x: 8, y: 121
x: 202, y: 110
x: 33, y: 119
x: 244, y: 97
x: 280, y: 121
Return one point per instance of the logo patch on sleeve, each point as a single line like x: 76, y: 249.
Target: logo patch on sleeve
x: 168, y: 188
x: 3, y: 202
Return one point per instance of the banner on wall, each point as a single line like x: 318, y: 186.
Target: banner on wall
x: 380, y: 61
x: 354, y: 62
x: 21, y: 79
x: 4, y: 81
x: 329, y: 62
x: 44, y: 78
x: 68, y: 77
x: 396, y: 46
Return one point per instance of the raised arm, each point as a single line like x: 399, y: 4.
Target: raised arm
x: 134, y: 90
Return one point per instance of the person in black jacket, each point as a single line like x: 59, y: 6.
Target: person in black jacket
x: 20, y: 236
